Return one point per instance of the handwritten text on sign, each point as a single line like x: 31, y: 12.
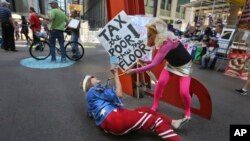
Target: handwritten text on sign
x: 120, y: 38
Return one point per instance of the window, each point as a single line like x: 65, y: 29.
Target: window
x: 169, y: 5
x: 181, y: 2
x: 163, y: 2
x: 61, y: 3
x: 151, y: 3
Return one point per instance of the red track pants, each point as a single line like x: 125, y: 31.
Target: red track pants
x: 122, y: 121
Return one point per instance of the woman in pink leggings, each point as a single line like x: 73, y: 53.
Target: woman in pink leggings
x: 179, y: 63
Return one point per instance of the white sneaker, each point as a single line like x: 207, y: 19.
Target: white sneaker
x: 180, y: 123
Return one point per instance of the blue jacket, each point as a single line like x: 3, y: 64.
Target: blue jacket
x: 101, y: 102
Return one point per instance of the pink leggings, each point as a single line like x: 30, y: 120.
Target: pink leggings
x: 184, y: 91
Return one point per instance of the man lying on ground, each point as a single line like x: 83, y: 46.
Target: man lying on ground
x: 104, y: 105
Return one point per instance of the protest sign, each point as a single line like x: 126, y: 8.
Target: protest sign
x: 120, y: 38
x: 140, y: 22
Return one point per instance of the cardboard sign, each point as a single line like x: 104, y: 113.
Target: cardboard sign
x: 74, y: 23
x: 120, y: 38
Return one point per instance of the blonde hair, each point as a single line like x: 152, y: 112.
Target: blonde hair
x: 162, y: 33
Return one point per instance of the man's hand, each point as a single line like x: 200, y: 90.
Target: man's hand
x: 113, y: 69
x: 45, y: 18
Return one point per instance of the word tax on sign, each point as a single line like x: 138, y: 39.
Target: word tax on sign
x: 121, y: 38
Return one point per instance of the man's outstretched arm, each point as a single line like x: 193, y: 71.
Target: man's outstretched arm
x: 118, y: 85
x: 47, y: 18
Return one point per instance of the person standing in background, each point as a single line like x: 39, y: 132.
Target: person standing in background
x: 75, y: 33
x: 7, y: 27
x: 210, y: 54
x: 16, y: 29
x: 35, y: 25
x: 58, y: 21
x: 25, y: 29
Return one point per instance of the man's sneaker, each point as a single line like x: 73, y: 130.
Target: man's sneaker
x: 241, y: 91
x: 180, y: 123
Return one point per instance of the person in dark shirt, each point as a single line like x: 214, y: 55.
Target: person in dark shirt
x: 25, y: 29
x: 7, y: 27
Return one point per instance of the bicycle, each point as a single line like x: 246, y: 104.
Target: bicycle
x: 41, y: 50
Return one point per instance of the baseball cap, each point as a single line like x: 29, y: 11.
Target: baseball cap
x: 4, y: 2
x: 84, y: 82
x: 53, y: 1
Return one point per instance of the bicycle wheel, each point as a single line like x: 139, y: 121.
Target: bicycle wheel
x: 74, y: 53
x: 40, y: 51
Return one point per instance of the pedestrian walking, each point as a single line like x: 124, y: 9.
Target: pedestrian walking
x: 25, y: 29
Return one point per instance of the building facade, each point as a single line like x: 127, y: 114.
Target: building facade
x: 95, y: 12
x: 170, y: 10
